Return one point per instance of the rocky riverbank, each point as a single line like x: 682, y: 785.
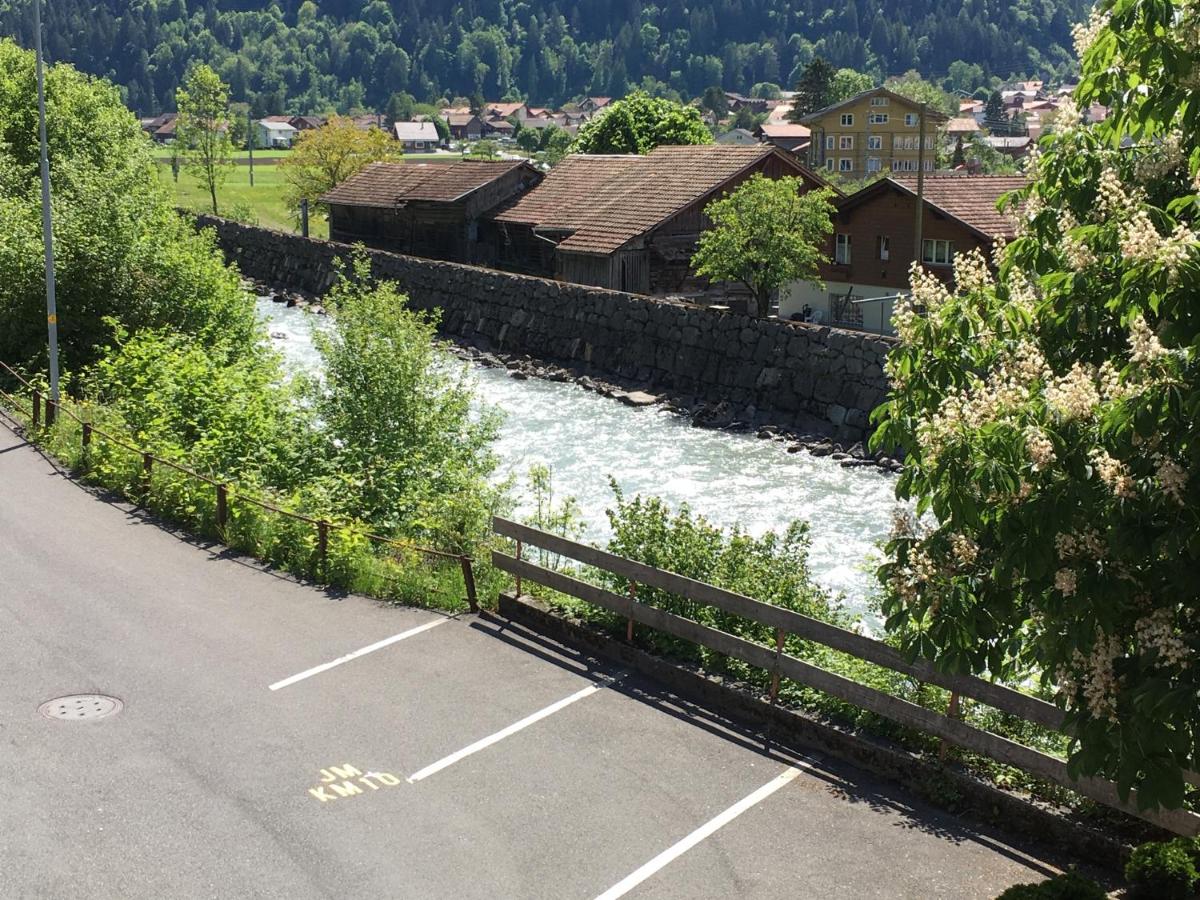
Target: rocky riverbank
x: 813, y: 437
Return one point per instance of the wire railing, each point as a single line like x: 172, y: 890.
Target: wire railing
x: 42, y: 412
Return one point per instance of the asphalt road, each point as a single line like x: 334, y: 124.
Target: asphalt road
x: 468, y: 759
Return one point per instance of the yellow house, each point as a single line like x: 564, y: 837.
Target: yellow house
x: 873, y: 132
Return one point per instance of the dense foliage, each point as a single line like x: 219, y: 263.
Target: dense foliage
x: 121, y: 251
x: 304, y: 56
x: 767, y: 233
x: 1163, y: 871
x: 1052, y: 422
x: 324, y: 157
x: 1067, y: 886
x: 639, y: 123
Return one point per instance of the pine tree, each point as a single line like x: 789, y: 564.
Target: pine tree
x: 813, y: 90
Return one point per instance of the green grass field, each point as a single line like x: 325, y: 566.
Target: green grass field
x: 264, y: 201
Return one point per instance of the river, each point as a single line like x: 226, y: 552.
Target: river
x: 729, y: 478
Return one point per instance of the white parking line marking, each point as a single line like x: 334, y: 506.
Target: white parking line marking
x: 502, y: 734
x: 371, y: 648
x: 623, y: 887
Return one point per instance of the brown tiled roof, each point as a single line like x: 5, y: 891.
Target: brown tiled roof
x: 971, y: 199
x: 606, y: 201
x: 503, y: 110
x: 962, y: 124
x: 460, y: 120
x: 386, y: 184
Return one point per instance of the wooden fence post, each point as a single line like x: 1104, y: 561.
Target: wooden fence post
x: 518, y: 577
x: 779, y: 637
x: 951, y: 713
x: 222, y: 507
x: 37, y: 408
x: 629, y: 621
x: 87, y: 435
x: 147, y: 466
x: 51, y: 412
x: 469, y: 583
x: 322, y: 546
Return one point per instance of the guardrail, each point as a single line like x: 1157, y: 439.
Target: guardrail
x: 773, y: 660
x: 225, y: 491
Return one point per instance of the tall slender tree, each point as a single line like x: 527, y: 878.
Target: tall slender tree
x: 203, y: 129
x: 814, y: 90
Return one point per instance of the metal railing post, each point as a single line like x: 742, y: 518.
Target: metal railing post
x: 469, y: 583
x: 222, y: 507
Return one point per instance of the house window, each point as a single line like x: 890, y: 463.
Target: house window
x: 829, y: 141
x: 929, y: 142
x: 873, y: 164
x: 846, y: 142
x: 845, y: 164
x: 877, y: 118
x: 875, y: 142
x: 841, y: 250
x: 882, y: 247
x: 848, y: 119
x: 879, y: 101
x: 937, y: 252
x: 911, y: 119
x: 928, y: 165
x: 829, y: 164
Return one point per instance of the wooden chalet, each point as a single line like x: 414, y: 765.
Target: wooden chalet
x: 631, y: 222
x: 424, y: 209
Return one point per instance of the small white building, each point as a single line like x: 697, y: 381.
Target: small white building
x: 416, y: 137
x: 272, y: 134
x: 739, y: 136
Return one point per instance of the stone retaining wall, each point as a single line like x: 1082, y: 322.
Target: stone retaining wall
x: 753, y: 370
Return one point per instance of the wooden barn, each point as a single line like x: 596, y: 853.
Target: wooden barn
x: 425, y: 209
x: 628, y: 223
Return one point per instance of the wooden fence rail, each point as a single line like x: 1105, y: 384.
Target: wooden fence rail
x: 782, y: 665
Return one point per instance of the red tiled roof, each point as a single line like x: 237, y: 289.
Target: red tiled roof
x: 385, y: 184
x: 607, y: 201
x: 971, y: 199
x: 504, y: 110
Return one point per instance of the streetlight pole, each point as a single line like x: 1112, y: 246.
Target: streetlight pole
x: 47, y: 225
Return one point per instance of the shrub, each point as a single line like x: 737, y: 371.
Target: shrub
x: 1068, y: 886
x: 1164, y: 871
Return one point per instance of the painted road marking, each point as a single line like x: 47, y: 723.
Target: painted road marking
x: 502, y: 734
x: 623, y: 887
x: 336, y: 781
x: 371, y: 648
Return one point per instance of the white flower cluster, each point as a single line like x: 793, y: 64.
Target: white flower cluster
x: 1157, y: 632
x: 1173, y: 478
x: 1100, y: 684
x: 1088, y: 543
x: 1065, y: 582
x: 928, y: 291
x: 1141, y: 242
x: 1074, y: 395
x: 1165, y: 157
x: 1085, y: 34
x: 1113, y: 473
x: 1078, y: 254
x: 907, y: 581
x: 1144, y: 346
x: 965, y: 550
x: 1040, y: 447
x: 971, y: 271
x: 1112, y: 198
x: 904, y: 320
x: 904, y: 523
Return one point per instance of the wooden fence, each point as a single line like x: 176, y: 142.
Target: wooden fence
x: 779, y: 664
x: 224, y: 492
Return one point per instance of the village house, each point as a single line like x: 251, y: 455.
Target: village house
x: 417, y: 137
x: 627, y: 222
x: 464, y: 126
x: 593, y: 105
x: 424, y: 209
x: 785, y: 136
x: 161, y: 128
x: 739, y: 136
x: 518, y: 111
x: 875, y: 131
x: 871, y: 248
x: 274, y: 133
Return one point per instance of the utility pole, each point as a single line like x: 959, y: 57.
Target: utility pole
x: 920, y: 217
x: 47, y: 225
x: 250, y: 144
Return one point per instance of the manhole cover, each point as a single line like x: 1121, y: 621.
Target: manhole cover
x: 78, y: 707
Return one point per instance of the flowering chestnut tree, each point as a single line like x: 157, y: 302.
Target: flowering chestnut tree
x: 1051, y: 417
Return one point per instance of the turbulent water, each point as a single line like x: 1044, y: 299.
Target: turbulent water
x: 729, y: 478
